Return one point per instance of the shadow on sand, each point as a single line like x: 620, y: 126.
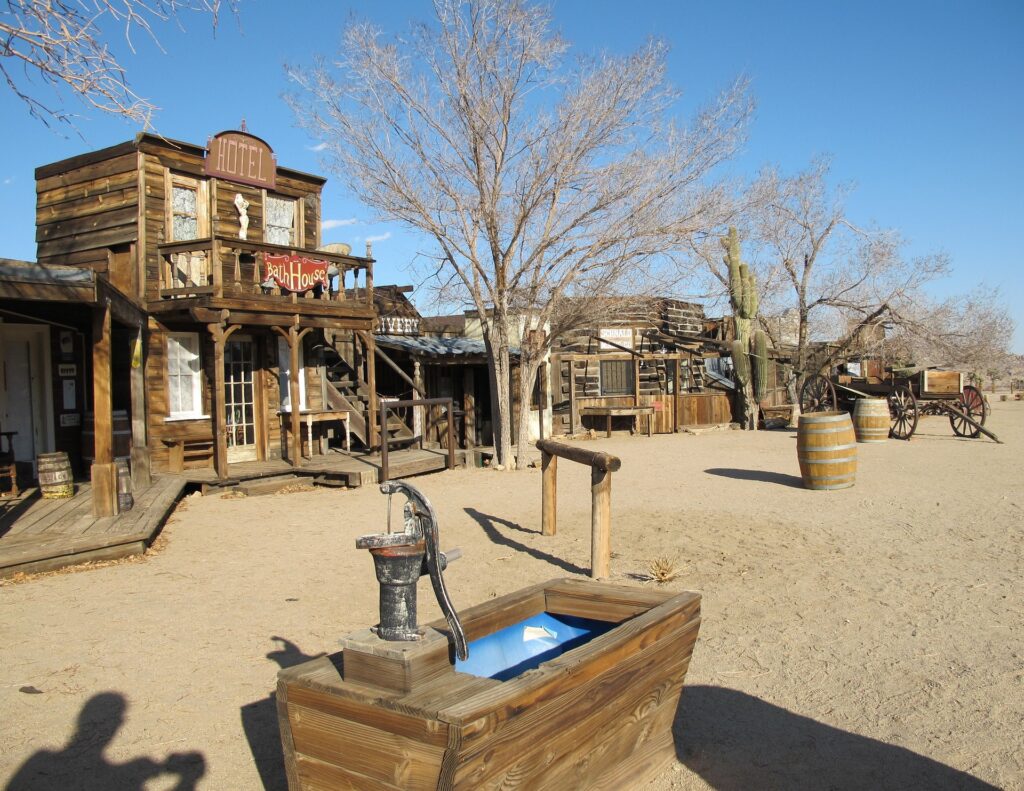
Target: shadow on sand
x: 82, y: 765
x: 758, y: 475
x: 259, y: 721
x: 736, y: 742
x: 489, y: 524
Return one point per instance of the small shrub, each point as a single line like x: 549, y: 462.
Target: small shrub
x: 663, y: 569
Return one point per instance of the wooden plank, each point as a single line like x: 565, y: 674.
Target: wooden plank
x: 69, y: 172
x: 369, y: 751
x: 87, y: 224
x: 114, y: 552
x: 314, y: 775
x: 429, y: 732
x: 88, y: 205
x: 490, y: 616
x: 88, y: 241
x: 549, y: 494
x: 84, y: 191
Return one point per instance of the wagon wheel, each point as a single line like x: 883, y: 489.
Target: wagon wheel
x: 972, y: 404
x: 902, y: 413
x: 818, y: 395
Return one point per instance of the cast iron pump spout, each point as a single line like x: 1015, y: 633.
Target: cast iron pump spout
x: 400, y: 559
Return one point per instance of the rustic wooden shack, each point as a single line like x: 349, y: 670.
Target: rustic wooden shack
x: 177, y: 288
x: 649, y: 360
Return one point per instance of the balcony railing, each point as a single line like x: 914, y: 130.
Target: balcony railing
x: 223, y: 266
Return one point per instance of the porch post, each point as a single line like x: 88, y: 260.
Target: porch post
x: 103, y: 472
x: 141, y: 476
x: 293, y: 396
x: 220, y: 435
x: 469, y: 407
x: 371, y: 383
x: 219, y: 333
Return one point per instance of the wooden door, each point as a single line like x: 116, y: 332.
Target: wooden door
x: 26, y: 403
x: 239, y: 399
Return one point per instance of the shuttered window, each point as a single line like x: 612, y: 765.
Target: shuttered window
x: 616, y: 377
x: 280, y: 221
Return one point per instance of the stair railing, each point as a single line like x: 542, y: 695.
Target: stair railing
x: 385, y: 408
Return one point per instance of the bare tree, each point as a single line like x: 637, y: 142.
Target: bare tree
x: 969, y: 331
x: 536, y: 179
x: 838, y: 280
x: 61, y: 43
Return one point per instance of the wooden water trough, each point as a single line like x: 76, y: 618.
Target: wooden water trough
x: 593, y: 712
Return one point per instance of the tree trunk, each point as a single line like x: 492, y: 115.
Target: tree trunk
x: 496, y: 340
x: 528, y: 367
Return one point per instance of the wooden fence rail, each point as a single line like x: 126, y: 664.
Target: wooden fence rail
x: 602, y: 465
x: 387, y: 406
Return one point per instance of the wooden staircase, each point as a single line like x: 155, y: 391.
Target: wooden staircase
x: 347, y: 390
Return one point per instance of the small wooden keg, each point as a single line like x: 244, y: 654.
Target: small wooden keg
x: 125, y: 499
x: 826, y: 447
x: 55, y: 477
x: 871, y: 419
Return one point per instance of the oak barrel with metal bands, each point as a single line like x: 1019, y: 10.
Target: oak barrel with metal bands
x: 826, y: 447
x: 871, y: 419
x: 55, y: 477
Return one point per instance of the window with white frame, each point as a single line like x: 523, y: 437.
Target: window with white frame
x: 184, y: 212
x: 184, y: 376
x: 284, y: 364
x: 280, y: 221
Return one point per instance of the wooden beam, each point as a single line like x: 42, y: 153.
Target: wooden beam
x: 549, y: 493
x: 469, y: 407
x: 141, y: 475
x: 103, y: 472
x: 370, y: 347
x: 220, y: 334
x: 600, y: 523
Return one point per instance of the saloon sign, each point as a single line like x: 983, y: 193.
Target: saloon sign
x: 295, y: 273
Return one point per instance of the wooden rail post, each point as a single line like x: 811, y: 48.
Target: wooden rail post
x: 600, y: 522
x: 103, y: 473
x: 602, y: 465
x: 549, y: 493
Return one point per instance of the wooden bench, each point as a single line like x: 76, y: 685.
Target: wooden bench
x: 622, y: 411
x: 189, y: 443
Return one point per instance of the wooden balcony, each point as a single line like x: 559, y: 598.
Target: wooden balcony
x: 226, y: 269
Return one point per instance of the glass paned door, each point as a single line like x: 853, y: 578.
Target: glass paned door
x: 239, y: 401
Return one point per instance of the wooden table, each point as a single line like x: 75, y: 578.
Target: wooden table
x: 309, y: 417
x: 623, y: 411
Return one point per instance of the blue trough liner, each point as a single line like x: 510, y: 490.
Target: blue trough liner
x: 523, y: 646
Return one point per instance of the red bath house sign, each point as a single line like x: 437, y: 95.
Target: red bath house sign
x: 295, y: 272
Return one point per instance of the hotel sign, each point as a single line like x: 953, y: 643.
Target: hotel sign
x: 241, y: 157
x: 296, y: 273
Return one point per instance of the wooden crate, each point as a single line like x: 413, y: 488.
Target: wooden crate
x: 598, y: 716
x: 941, y: 383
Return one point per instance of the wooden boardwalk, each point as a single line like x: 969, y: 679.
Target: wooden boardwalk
x: 335, y: 468
x: 43, y: 535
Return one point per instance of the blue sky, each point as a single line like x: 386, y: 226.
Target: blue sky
x: 920, y: 104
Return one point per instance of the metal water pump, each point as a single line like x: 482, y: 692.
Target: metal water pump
x: 401, y: 558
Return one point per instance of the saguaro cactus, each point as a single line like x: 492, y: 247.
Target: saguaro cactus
x: 759, y: 364
x: 744, y: 300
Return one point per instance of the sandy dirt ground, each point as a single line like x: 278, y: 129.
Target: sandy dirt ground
x: 866, y: 638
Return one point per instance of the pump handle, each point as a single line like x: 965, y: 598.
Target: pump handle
x: 424, y: 512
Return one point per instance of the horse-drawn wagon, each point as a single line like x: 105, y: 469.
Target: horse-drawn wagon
x: 911, y: 394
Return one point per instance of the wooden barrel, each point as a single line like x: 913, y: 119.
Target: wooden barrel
x: 871, y: 419
x: 55, y: 478
x: 122, y: 436
x: 826, y: 447
x: 125, y: 500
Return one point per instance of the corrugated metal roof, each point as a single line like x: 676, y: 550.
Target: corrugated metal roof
x: 31, y: 272
x: 436, y: 347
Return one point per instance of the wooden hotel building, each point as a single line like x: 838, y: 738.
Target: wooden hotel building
x: 176, y: 289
